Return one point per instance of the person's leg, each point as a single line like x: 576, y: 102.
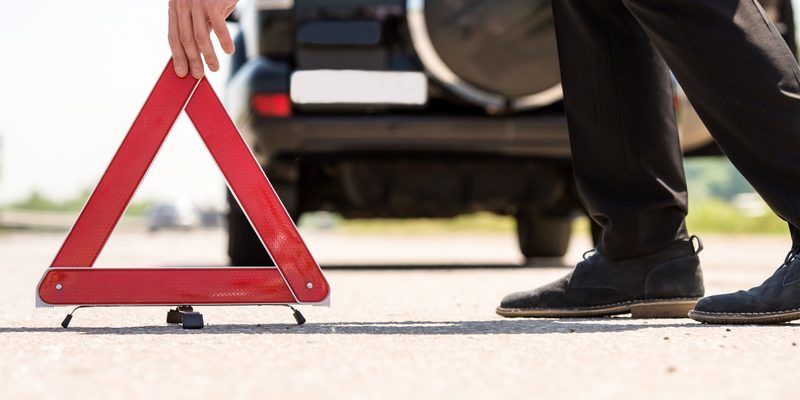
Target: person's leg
x: 743, y: 81
x: 625, y: 149
x: 780, y: 11
x: 629, y: 171
x: 735, y: 69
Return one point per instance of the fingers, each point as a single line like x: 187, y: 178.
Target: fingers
x: 223, y: 35
x: 229, y: 9
x: 202, y: 36
x: 190, y: 25
x: 179, y: 61
x: 187, y: 37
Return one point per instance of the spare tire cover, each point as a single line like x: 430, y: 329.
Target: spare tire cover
x: 507, y: 47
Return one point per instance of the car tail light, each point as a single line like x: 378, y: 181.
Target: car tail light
x: 272, y: 104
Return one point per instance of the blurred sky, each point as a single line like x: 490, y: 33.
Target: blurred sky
x: 73, y: 75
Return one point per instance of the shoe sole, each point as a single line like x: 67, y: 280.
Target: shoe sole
x: 666, y: 308
x: 744, y: 318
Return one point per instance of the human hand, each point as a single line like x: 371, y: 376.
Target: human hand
x: 190, y: 25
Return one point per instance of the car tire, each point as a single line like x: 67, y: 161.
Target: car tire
x: 244, y: 246
x: 542, y: 235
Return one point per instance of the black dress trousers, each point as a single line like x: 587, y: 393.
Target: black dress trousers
x: 737, y: 71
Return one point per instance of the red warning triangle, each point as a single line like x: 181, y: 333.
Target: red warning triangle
x: 72, y: 279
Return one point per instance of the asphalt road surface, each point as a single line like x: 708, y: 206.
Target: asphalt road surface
x: 392, y: 332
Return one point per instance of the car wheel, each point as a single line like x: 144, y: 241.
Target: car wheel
x: 542, y: 235
x: 244, y: 246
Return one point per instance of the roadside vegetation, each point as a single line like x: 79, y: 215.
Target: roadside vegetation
x: 721, y: 201
x: 38, y: 202
x: 713, y: 216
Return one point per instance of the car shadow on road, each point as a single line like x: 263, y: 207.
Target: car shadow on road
x: 390, y: 328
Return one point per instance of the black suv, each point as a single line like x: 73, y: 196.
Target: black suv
x: 408, y: 108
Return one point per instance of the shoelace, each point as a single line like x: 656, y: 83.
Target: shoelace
x: 793, y: 253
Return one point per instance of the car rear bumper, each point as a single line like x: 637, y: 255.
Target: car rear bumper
x: 529, y: 135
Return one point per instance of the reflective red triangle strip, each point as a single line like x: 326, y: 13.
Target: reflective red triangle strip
x: 127, y: 169
x: 247, y: 181
x: 256, y: 195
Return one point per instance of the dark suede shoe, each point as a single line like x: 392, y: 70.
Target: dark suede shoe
x: 664, y: 284
x: 777, y: 300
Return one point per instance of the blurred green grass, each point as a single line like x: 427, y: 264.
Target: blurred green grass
x: 714, y: 216
x: 707, y: 216
x: 713, y: 187
x: 39, y: 202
